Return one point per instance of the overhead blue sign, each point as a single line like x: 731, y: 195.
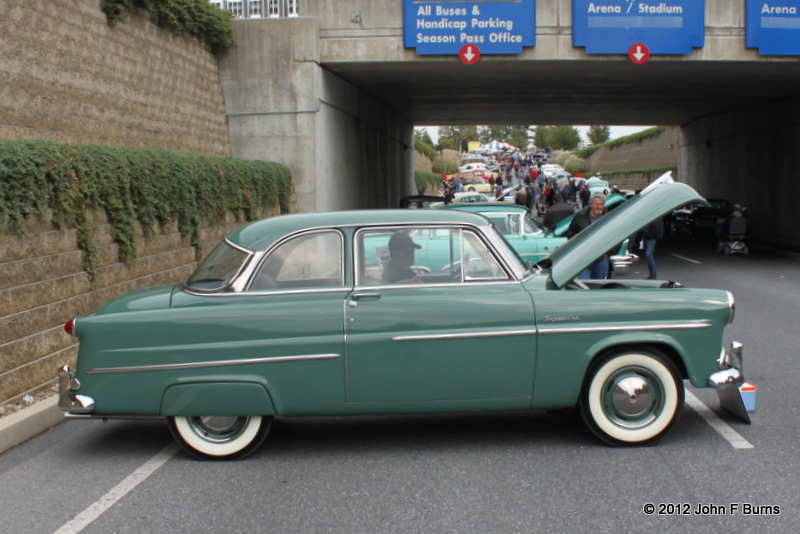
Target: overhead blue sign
x: 613, y: 26
x: 773, y: 27
x: 444, y: 26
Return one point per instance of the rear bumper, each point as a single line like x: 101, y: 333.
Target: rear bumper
x: 730, y: 364
x: 68, y: 398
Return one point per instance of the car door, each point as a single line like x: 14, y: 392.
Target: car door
x: 449, y: 336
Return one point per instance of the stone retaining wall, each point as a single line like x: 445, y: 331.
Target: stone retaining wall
x: 43, y: 285
x: 661, y: 151
x: 67, y: 76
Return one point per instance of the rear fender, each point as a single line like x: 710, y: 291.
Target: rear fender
x: 217, y: 398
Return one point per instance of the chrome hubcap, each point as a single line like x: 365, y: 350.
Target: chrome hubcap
x: 217, y: 428
x: 633, y: 397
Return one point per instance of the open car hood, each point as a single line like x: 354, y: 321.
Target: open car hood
x: 568, y: 260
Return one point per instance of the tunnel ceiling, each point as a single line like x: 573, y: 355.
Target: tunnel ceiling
x: 494, y: 91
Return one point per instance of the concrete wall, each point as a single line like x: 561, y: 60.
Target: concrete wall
x: 66, y: 75
x: 750, y: 157
x: 345, y: 148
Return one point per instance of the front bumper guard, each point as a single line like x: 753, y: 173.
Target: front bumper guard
x: 730, y: 364
x: 622, y: 264
x: 68, y: 398
x: 728, y: 379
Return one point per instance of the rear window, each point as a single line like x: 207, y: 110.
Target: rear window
x: 219, y: 268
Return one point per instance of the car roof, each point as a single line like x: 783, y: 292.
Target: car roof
x: 260, y: 235
x: 483, y: 207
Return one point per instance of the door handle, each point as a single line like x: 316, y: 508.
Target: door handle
x: 366, y: 296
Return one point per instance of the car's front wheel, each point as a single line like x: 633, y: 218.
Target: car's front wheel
x: 632, y: 397
x: 220, y: 437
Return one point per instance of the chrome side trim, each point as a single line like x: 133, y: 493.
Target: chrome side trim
x: 467, y: 335
x: 203, y: 365
x: 626, y: 328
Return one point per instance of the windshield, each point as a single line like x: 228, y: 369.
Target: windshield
x: 219, y: 268
x: 518, y: 265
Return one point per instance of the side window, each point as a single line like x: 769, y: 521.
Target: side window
x: 304, y: 262
x: 424, y: 255
x: 481, y: 265
x: 408, y: 255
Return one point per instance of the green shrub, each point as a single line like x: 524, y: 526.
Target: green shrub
x: 638, y: 137
x: 132, y: 186
x: 198, y: 18
x: 427, y: 180
x: 445, y: 167
x: 425, y: 149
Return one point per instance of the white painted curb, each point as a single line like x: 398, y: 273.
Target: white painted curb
x: 25, y: 424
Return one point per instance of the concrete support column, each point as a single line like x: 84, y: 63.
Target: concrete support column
x: 345, y: 148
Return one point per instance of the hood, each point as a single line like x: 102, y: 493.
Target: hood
x: 567, y: 261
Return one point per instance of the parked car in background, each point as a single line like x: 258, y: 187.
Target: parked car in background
x: 527, y: 235
x: 290, y: 316
x: 699, y: 217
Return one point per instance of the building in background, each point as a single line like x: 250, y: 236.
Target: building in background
x: 254, y: 9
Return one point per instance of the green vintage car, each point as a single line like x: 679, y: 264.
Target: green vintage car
x: 289, y: 317
x: 532, y: 241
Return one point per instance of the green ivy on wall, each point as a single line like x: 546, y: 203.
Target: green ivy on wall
x: 198, y: 18
x: 133, y: 186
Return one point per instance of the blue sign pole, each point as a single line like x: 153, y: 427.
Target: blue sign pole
x: 613, y: 26
x: 444, y: 26
x: 773, y: 27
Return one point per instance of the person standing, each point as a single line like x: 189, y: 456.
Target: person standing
x: 597, y: 208
x: 556, y: 213
x: 653, y: 231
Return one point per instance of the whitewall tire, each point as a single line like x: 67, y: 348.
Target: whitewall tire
x: 632, y: 397
x: 220, y: 437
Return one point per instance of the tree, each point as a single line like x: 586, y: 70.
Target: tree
x: 599, y: 134
x: 459, y: 136
x: 423, y: 136
x: 540, y: 137
x: 514, y: 135
x: 564, y: 137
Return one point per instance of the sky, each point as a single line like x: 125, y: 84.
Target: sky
x: 616, y: 131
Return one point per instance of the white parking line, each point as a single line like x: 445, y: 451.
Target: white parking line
x: 684, y: 258
x: 717, y: 424
x: 83, y: 519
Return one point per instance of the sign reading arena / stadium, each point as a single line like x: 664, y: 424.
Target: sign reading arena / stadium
x: 612, y: 26
x: 445, y: 26
x: 773, y: 27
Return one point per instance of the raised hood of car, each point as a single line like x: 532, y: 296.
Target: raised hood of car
x: 575, y: 255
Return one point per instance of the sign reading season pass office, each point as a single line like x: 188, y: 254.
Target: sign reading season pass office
x: 493, y: 26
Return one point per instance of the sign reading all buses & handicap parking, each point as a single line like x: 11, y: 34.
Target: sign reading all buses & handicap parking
x: 773, y: 27
x: 613, y: 26
x: 445, y: 26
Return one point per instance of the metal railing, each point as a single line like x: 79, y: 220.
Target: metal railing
x: 254, y: 9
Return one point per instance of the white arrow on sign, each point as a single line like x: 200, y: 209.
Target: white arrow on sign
x: 469, y: 55
x: 638, y: 54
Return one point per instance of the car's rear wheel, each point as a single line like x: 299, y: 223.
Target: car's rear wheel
x: 220, y: 437
x: 632, y: 397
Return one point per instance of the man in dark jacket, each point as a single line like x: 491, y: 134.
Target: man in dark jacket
x: 597, y: 208
x: 559, y: 211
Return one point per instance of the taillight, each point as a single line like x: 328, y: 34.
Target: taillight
x: 69, y: 328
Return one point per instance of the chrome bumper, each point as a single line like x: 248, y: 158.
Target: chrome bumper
x: 622, y: 264
x: 730, y: 364
x: 68, y: 399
